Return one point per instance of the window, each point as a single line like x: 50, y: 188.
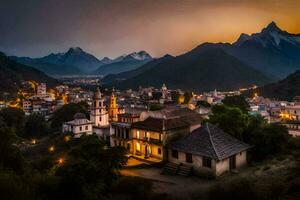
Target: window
x: 80, y: 128
x: 206, y: 162
x: 175, y: 154
x: 138, y: 134
x: 159, y: 151
x: 188, y: 158
x: 86, y: 128
x: 138, y: 147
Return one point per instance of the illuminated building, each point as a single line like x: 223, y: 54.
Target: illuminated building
x: 113, y: 109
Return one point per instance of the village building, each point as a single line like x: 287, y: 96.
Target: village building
x: 99, y: 116
x: 79, y: 126
x: 151, y: 136
x: 113, y: 109
x: 209, y: 151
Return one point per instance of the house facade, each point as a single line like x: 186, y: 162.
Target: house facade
x: 151, y: 136
x: 79, y: 126
x: 209, y: 151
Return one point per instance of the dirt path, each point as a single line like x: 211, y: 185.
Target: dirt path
x: 177, y: 187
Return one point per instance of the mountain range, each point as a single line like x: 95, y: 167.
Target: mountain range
x: 124, y: 63
x: 12, y: 74
x: 78, y: 62
x: 273, y: 51
x: 257, y: 58
x: 203, y: 68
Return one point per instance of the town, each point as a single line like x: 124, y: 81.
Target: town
x: 151, y: 100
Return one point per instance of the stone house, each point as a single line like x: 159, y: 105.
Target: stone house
x: 209, y: 151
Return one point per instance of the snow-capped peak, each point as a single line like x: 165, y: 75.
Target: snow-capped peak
x: 142, y: 55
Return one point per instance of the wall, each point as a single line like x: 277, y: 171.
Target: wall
x: 197, y: 164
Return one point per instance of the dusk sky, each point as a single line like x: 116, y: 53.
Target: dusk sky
x: 114, y: 27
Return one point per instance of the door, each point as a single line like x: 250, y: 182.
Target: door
x: 232, y: 162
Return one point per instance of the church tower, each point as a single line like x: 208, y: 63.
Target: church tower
x: 99, y: 115
x: 113, y: 107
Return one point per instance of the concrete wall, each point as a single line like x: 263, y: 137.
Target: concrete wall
x: 197, y: 164
x: 217, y: 167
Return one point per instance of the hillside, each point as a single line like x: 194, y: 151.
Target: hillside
x: 204, y: 68
x: 47, y: 67
x: 115, y: 78
x: 13, y: 73
x: 124, y: 63
x: 285, y: 89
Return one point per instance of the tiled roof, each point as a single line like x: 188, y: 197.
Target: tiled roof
x: 156, y: 124
x: 210, y: 141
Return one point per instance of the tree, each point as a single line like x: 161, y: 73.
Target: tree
x: 67, y: 112
x: 269, y: 140
x: 236, y: 101
x: 13, y: 118
x: 90, y: 168
x: 36, y: 126
x: 231, y: 119
x: 10, y: 155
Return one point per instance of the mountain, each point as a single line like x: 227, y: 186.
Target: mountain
x: 285, y: 89
x: 204, y: 68
x: 113, y: 79
x: 47, y: 67
x: 73, y: 62
x: 273, y: 51
x: 12, y: 74
x: 74, y: 57
x: 106, y: 60
x: 124, y: 63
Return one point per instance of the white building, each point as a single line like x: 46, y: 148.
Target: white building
x: 99, y: 114
x: 79, y: 126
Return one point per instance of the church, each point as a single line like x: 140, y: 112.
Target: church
x: 100, y: 118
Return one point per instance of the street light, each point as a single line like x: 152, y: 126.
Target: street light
x: 51, y: 148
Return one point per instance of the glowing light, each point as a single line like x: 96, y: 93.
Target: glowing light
x: 33, y: 141
x: 67, y: 138
x: 61, y: 161
x: 51, y: 148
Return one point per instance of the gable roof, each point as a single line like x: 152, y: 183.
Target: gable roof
x: 210, y: 141
x: 157, y: 124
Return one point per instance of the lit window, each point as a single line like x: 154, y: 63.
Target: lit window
x: 138, y: 134
x: 138, y: 147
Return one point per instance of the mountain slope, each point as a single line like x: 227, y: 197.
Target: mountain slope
x: 285, y: 89
x: 113, y: 79
x: 272, y: 51
x: 48, y: 68
x: 204, y: 68
x: 74, y: 57
x: 13, y: 73
x: 124, y: 63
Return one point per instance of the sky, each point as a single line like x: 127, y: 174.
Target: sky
x: 111, y: 28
